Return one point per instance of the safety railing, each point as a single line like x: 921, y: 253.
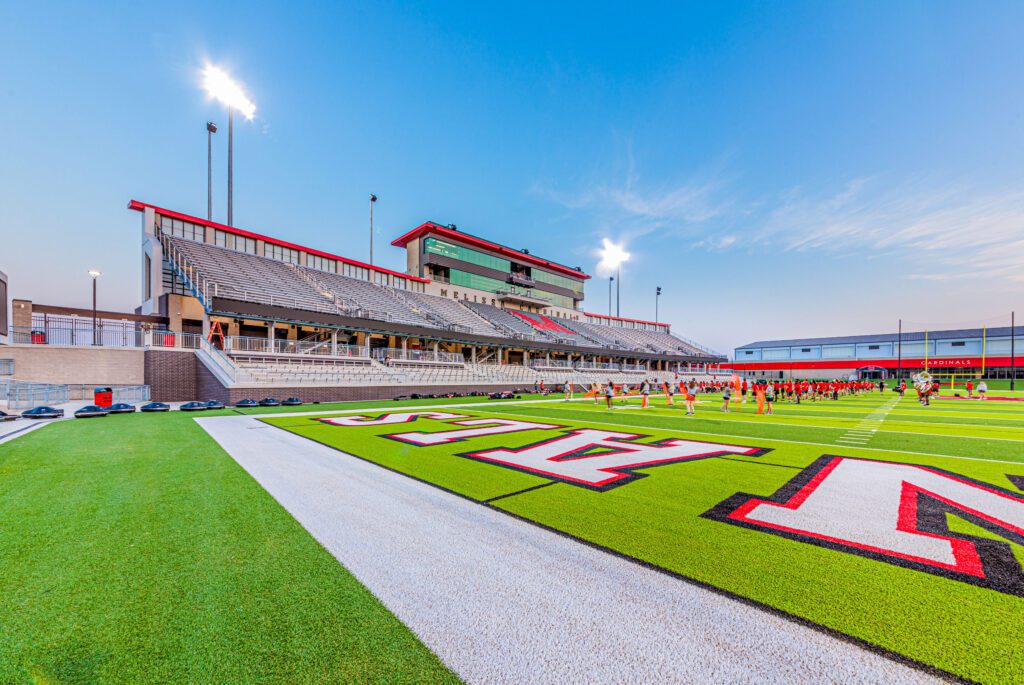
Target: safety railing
x: 185, y: 270
x: 311, y: 348
x: 77, y: 336
x: 387, y: 355
x: 23, y: 395
x: 634, y: 368
x: 604, y: 366
x: 551, y: 364
x: 171, y: 339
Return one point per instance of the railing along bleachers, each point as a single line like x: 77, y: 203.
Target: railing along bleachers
x: 454, y: 312
x: 397, y: 357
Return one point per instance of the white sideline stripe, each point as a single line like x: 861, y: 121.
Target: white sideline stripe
x: 758, y: 439
x: 503, y: 601
x: 11, y: 430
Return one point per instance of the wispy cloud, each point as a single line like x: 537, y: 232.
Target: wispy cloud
x: 630, y: 207
x: 943, y: 230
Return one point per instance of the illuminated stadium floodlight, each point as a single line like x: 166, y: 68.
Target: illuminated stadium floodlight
x: 612, y: 257
x: 221, y: 87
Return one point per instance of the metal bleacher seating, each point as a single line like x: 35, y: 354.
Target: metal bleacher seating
x: 232, y: 275
x: 454, y: 312
x: 377, y: 301
x: 237, y: 275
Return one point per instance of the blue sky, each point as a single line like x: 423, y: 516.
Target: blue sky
x: 780, y: 169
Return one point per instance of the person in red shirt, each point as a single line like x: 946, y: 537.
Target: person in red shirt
x: 970, y: 388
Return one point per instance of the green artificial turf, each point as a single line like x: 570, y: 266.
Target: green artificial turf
x: 970, y: 631
x: 133, y: 549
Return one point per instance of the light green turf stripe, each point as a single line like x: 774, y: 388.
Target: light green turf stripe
x: 758, y: 439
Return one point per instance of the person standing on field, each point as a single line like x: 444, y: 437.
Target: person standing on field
x: 691, y: 397
x: 970, y: 388
x: 726, y: 397
x: 567, y: 387
x: 609, y: 394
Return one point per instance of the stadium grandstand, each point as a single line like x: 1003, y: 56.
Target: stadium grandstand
x: 973, y: 352
x: 259, y: 315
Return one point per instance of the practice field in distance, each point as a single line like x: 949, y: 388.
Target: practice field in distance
x: 896, y: 525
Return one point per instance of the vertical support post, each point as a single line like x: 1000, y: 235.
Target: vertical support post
x: 94, y: 311
x: 231, y: 185
x: 899, y: 352
x: 1013, y: 350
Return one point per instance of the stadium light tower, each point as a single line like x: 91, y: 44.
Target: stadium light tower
x: 211, y: 128
x: 373, y: 200
x: 95, y: 275
x: 611, y: 279
x: 612, y: 257
x: 657, y: 295
x: 222, y: 88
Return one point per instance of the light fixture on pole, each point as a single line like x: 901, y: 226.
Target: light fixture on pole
x: 611, y: 279
x: 657, y: 294
x: 211, y: 128
x: 220, y: 87
x: 612, y: 257
x: 373, y: 199
x: 95, y: 275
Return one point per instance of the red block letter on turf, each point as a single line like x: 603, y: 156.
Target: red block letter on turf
x: 486, y: 427
x: 401, y: 417
x: 896, y: 513
x: 602, y: 459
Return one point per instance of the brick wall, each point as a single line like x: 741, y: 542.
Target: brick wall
x: 171, y: 375
x: 76, y: 365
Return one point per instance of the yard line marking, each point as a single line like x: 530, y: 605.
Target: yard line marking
x: 741, y: 419
x: 626, y: 426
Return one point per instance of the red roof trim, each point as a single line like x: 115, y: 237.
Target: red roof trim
x: 619, y: 318
x: 431, y: 227
x: 938, y: 364
x: 141, y: 206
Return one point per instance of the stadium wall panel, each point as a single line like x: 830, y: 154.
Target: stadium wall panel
x: 77, y: 365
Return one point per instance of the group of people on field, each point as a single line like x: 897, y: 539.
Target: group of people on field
x: 763, y: 391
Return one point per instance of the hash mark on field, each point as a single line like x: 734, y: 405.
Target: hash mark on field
x: 520, y: 492
x: 862, y: 433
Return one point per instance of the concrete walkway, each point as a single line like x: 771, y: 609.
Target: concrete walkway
x: 503, y: 601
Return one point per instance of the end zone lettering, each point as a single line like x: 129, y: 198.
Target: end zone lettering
x: 896, y: 513
x: 601, y: 459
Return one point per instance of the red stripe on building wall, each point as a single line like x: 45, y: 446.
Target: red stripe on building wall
x: 934, y: 363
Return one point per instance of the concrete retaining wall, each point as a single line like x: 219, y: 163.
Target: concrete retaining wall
x: 76, y: 365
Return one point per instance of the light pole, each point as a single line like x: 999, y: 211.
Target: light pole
x: 230, y: 94
x: 95, y: 275
x: 373, y: 200
x: 1013, y: 350
x: 611, y: 279
x: 618, y: 290
x: 657, y: 294
x: 211, y: 128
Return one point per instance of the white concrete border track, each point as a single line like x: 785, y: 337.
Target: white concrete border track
x: 502, y: 601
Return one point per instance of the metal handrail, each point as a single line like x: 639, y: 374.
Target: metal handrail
x: 422, y: 356
x: 311, y: 348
